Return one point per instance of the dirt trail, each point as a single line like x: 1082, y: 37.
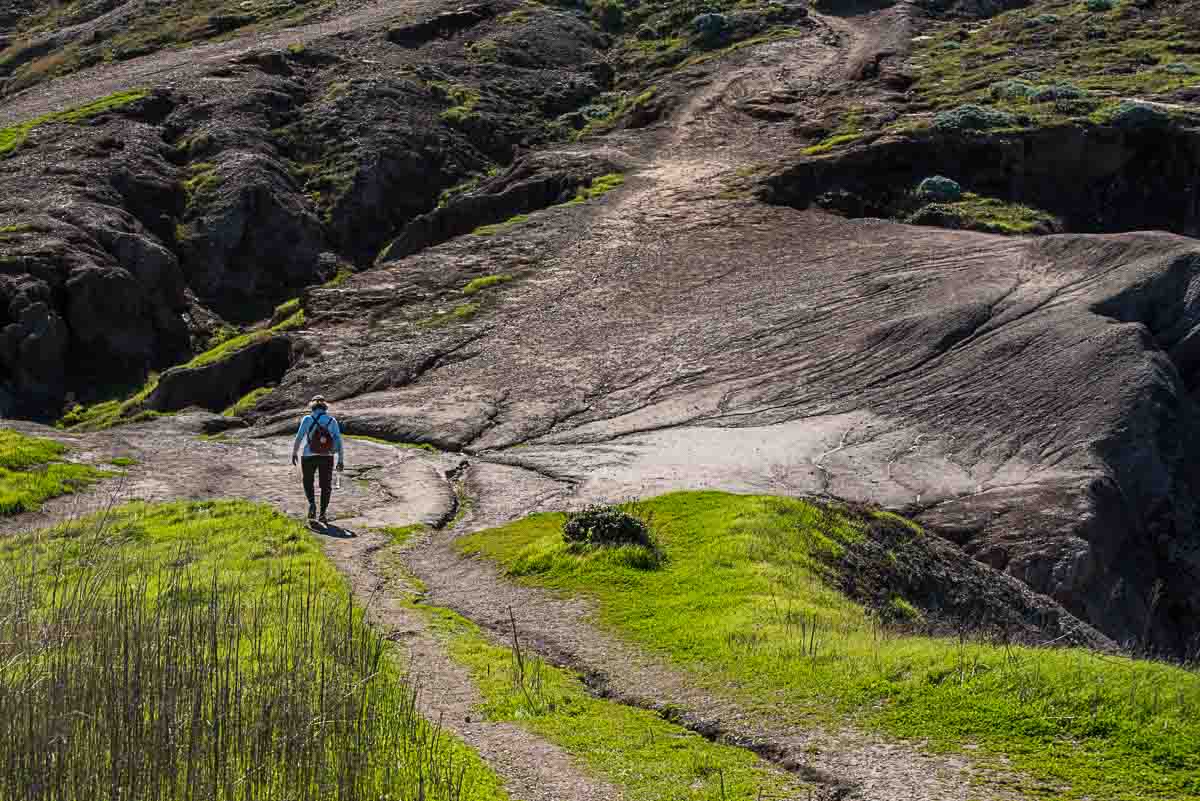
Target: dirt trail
x: 532, y: 768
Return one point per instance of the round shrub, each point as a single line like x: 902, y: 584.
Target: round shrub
x: 940, y: 189
x: 1057, y: 91
x: 605, y: 525
x: 1098, y: 6
x: 1012, y: 89
x: 711, y: 29
x: 971, y: 117
x: 1141, y: 116
x: 1181, y: 68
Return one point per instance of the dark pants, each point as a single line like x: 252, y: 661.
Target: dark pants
x: 309, y: 466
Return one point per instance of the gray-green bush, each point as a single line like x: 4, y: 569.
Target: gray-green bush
x: 971, y: 117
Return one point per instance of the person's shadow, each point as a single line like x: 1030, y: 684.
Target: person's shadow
x: 331, y: 530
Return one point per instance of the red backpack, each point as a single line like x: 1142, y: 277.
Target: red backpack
x: 320, y: 439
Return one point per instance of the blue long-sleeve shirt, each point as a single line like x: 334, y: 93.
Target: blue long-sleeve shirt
x: 330, y: 422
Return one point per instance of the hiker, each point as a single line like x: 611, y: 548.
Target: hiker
x: 322, y: 438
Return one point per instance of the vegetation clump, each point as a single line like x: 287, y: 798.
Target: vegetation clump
x: 247, y: 402
x: 477, y: 285
x: 972, y: 212
x: 605, y: 525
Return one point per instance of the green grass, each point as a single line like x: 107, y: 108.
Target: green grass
x: 106, y: 414
x: 402, y: 534
x: 647, y: 757
x: 477, y: 285
x: 987, y: 214
x: 247, y: 402
x: 463, y: 98
x: 459, y: 314
x: 496, y: 228
x: 597, y: 188
x: 32, y: 472
x: 344, y: 274
x: 14, y: 136
x: 230, y: 346
x: 287, y: 651
x: 286, y: 309
x: 123, y: 461
x: 741, y: 603
x: 851, y: 130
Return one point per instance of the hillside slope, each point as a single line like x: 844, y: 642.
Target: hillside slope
x: 617, y: 250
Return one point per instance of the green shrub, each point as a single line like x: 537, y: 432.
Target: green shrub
x: 1140, y: 116
x: 605, y: 525
x: 970, y: 117
x: 1012, y: 89
x: 1099, y: 6
x: 711, y: 30
x: 1057, y: 91
x: 1181, y: 68
x: 939, y: 188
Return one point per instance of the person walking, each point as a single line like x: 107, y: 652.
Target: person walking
x: 322, y: 438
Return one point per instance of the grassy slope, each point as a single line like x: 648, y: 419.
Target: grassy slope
x: 1122, y: 52
x: 252, y: 559
x: 740, y: 603
x: 32, y: 471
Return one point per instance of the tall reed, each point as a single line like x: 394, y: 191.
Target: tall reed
x: 126, y: 680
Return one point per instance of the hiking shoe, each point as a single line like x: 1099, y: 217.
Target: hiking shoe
x: 312, y: 511
x: 323, y: 518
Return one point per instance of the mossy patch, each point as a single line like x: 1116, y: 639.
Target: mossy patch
x: 247, y: 402
x: 14, y: 136
x: 477, y: 285
x: 497, y: 228
x: 990, y: 215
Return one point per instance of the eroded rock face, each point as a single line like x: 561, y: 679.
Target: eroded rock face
x: 253, y: 236
x: 216, y: 385
x: 1096, y: 178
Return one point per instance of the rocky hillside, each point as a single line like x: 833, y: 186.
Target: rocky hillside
x: 939, y: 257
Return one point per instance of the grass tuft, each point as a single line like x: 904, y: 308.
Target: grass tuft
x: 247, y: 402
x: 477, y: 285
